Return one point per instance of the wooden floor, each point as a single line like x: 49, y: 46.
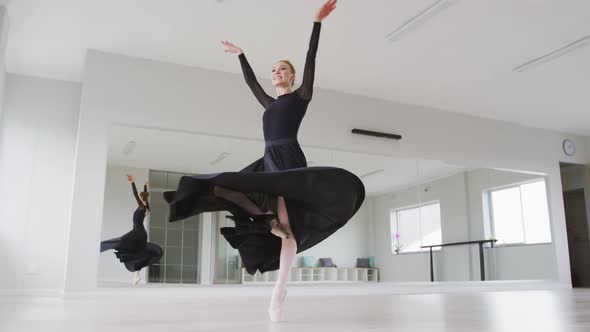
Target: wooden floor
x: 308, y: 309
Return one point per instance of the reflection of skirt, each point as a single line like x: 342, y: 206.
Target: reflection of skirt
x: 134, y: 256
x: 319, y: 201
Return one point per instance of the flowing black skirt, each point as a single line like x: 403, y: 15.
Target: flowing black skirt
x: 133, y: 250
x: 319, y: 201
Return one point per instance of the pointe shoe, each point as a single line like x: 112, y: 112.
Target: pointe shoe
x: 136, y: 280
x: 262, y: 223
x: 256, y: 225
x: 277, y: 230
x: 275, y: 312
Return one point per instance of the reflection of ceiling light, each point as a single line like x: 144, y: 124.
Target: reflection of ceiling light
x: 584, y: 41
x: 419, y: 19
x: 377, y: 171
x: 129, y: 148
x: 219, y: 158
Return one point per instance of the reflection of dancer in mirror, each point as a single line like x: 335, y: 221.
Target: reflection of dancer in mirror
x: 311, y: 202
x: 132, y: 249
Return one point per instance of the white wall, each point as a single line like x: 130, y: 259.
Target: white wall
x: 530, y: 262
x: 37, y: 144
x: 3, y: 39
x: 119, y: 205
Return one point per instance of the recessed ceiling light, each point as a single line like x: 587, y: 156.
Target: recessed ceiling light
x: 582, y: 42
x: 420, y: 18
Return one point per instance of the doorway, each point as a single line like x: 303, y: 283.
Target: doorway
x: 575, y: 182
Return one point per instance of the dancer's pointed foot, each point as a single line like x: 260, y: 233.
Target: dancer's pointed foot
x: 277, y: 230
x: 261, y: 223
x: 275, y: 310
x: 136, y: 279
x: 273, y: 223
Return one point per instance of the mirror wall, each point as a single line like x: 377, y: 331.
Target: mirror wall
x: 452, y: 205
x: 410, y: 204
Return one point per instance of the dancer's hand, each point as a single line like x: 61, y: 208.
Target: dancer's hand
x: 231, y: 48
x: 325, y: 10
x: 129, y: 177
x: 146, y: 183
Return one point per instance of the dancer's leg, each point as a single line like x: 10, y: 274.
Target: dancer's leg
x: 237, y: 198
x: 136, y: 278
x: 288, y: 252
x: 245, y: 203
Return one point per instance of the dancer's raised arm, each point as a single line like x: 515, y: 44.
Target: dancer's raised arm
x: 306, y: 89
x: 134, y: 188
x: 263, y: 98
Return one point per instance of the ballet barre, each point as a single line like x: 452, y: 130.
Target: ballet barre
x: 481, y: 256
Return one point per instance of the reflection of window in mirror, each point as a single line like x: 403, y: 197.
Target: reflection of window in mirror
x: 520, y: 214
x: 416, y: 226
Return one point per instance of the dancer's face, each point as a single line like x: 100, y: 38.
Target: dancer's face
x: 282, y: 74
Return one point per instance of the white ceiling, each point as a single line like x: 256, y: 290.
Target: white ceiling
x: 193, y: 154
x: 460, y: 60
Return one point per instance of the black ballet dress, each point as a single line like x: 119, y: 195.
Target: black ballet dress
x: 319, y: 200
x: 132, y: 249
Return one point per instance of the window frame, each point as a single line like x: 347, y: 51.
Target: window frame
x: 492, y: 219
x: 393, y: 217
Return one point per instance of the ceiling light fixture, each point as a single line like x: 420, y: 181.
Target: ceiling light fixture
x: 421, y: 17
x: 219, y: 158
x: 377, y: 171
x: 584, y: 41
x: 129, y: 148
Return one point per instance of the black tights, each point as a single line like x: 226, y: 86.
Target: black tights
x: 239, y: 199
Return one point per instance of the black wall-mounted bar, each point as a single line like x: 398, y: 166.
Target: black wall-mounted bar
x: 376, y: 134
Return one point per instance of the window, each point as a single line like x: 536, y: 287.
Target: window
x: 414, y: 227
x: 520, y: 214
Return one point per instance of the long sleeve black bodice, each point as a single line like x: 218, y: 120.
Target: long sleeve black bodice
x: 282, y: 116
